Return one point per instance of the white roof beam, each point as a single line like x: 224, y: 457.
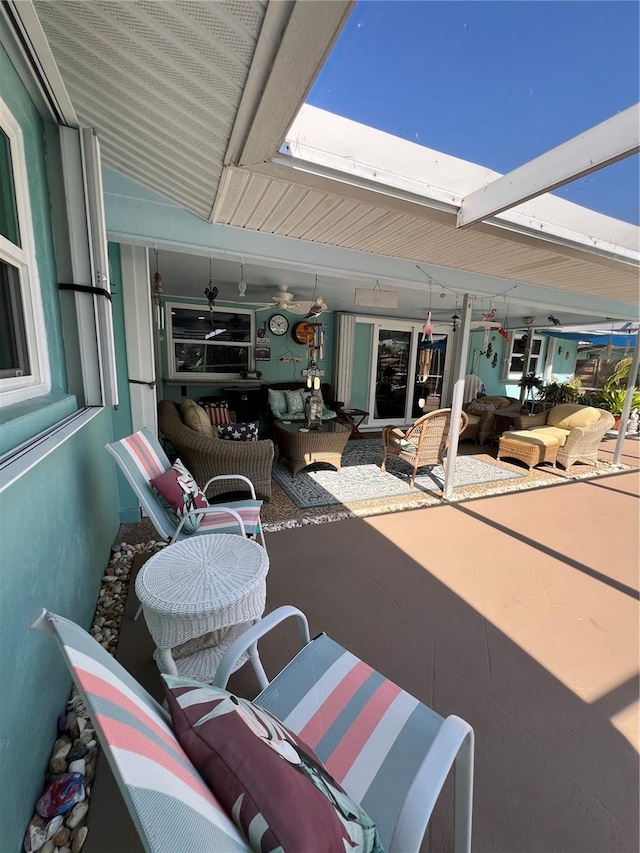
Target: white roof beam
x: 289, y: 55
x: 606, y: 143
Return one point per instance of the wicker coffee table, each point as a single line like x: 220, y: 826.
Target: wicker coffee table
x: 301, y: 447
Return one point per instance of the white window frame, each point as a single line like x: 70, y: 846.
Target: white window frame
x: 190, y: 378
x: 16, y: 389
x: 516, y: 376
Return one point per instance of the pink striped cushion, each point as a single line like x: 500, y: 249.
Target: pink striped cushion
x: 143, y: 455
x: 268, y: 779
x: 371, y: 735
x: 250, y: 515
x: 174, y: 809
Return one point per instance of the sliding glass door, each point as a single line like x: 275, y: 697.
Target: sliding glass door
x: 407, y: 373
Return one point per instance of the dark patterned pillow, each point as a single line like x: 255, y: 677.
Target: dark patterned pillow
x: 239, y: 432
x: 180, y: 494
x: 271, y: 783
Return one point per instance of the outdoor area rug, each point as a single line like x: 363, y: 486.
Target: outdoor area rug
x: 362, y: 480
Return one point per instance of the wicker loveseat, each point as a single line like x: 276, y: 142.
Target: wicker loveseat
x: 207, y: 456
x: 481, y: 426
x: 576, y: 431
x: 330, y: 408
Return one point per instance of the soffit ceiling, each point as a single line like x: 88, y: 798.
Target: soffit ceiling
x: 161, y: 82
x: 292, y: 209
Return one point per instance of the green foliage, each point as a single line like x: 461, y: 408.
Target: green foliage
x: 554, y: 392
x: 612, y: 399
x: 531, y: 382
x: 613, y: 394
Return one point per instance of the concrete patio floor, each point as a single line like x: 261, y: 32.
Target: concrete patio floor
x: 517, y: 612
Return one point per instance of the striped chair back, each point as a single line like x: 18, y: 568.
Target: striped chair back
x: 172, y: 808
x: 140, y: 458
x: 374, y: 739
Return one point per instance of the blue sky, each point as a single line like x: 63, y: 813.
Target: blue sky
x: 493, y: 82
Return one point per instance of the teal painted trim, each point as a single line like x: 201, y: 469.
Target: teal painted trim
x: 22, y: 421
x: 361, y: 375
x: 17, y: 99
x: 57, y: 525
x: 140, y: 216
x: 121, y: 417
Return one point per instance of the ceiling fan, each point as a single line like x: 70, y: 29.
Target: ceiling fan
x: 284, y: 300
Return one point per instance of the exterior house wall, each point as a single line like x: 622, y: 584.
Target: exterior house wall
x: 22, y: 421
x: 491, y: 377
x: 272, y: 371
x: 58, y: 515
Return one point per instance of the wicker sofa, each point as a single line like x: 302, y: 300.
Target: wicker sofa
x: 331, y: 407
x: 482, y: 426
x: 206, y: 456
x: 575, y: 430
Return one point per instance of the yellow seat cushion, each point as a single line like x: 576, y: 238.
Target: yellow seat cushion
x: 195, y: 417
x: 560, y: 434
x: 531, y: 437
x: 570, y: 416
x: 473, y: 419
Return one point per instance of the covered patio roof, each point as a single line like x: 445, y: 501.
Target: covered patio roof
x: 193, y: 101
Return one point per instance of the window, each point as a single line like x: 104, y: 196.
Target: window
x: 24, y: 370
x: 516, y: 356
x: 210, y: 344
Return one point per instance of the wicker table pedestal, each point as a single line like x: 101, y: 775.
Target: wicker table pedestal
x: 302, y: 447
x: 531, y: 452
x: 207, y: 586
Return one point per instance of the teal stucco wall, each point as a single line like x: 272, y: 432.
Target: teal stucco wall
x: 22, y: 421
x: 491, y: 377
x: 57, y: 524
x: 58, y: 519
x: 272, y: 370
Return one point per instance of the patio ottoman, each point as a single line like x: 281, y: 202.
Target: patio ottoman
x: 532, y: 448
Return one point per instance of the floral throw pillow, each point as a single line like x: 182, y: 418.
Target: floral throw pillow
x: 272, y: 784
x: 239, y: 432
x: 180, y: 494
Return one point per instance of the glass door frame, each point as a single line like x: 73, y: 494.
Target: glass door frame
x: 415, y: 327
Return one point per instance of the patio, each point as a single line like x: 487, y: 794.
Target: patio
x: 519, y: 613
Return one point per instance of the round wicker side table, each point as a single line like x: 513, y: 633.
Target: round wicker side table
x: 210, y: 585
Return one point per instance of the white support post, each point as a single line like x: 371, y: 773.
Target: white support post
x: 626, y: 409
x: 458, y: 397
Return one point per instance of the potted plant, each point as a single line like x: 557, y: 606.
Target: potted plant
x: 530, y: 382
x: 554, y: 392
x: 613, y: 393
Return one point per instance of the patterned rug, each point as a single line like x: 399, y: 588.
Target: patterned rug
x: 362, y: 480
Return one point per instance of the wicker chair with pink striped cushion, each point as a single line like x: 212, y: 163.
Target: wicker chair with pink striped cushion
x: 390, y: 753
x: 141, y: 458
x: 171, y: 807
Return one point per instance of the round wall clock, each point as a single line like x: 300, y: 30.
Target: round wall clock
x: 303, y: 332
x: 278, y: 324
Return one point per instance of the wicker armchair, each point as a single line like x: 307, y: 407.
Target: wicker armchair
x: 581, y: 442
x: 424, y: 443
x: 207, y: 457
